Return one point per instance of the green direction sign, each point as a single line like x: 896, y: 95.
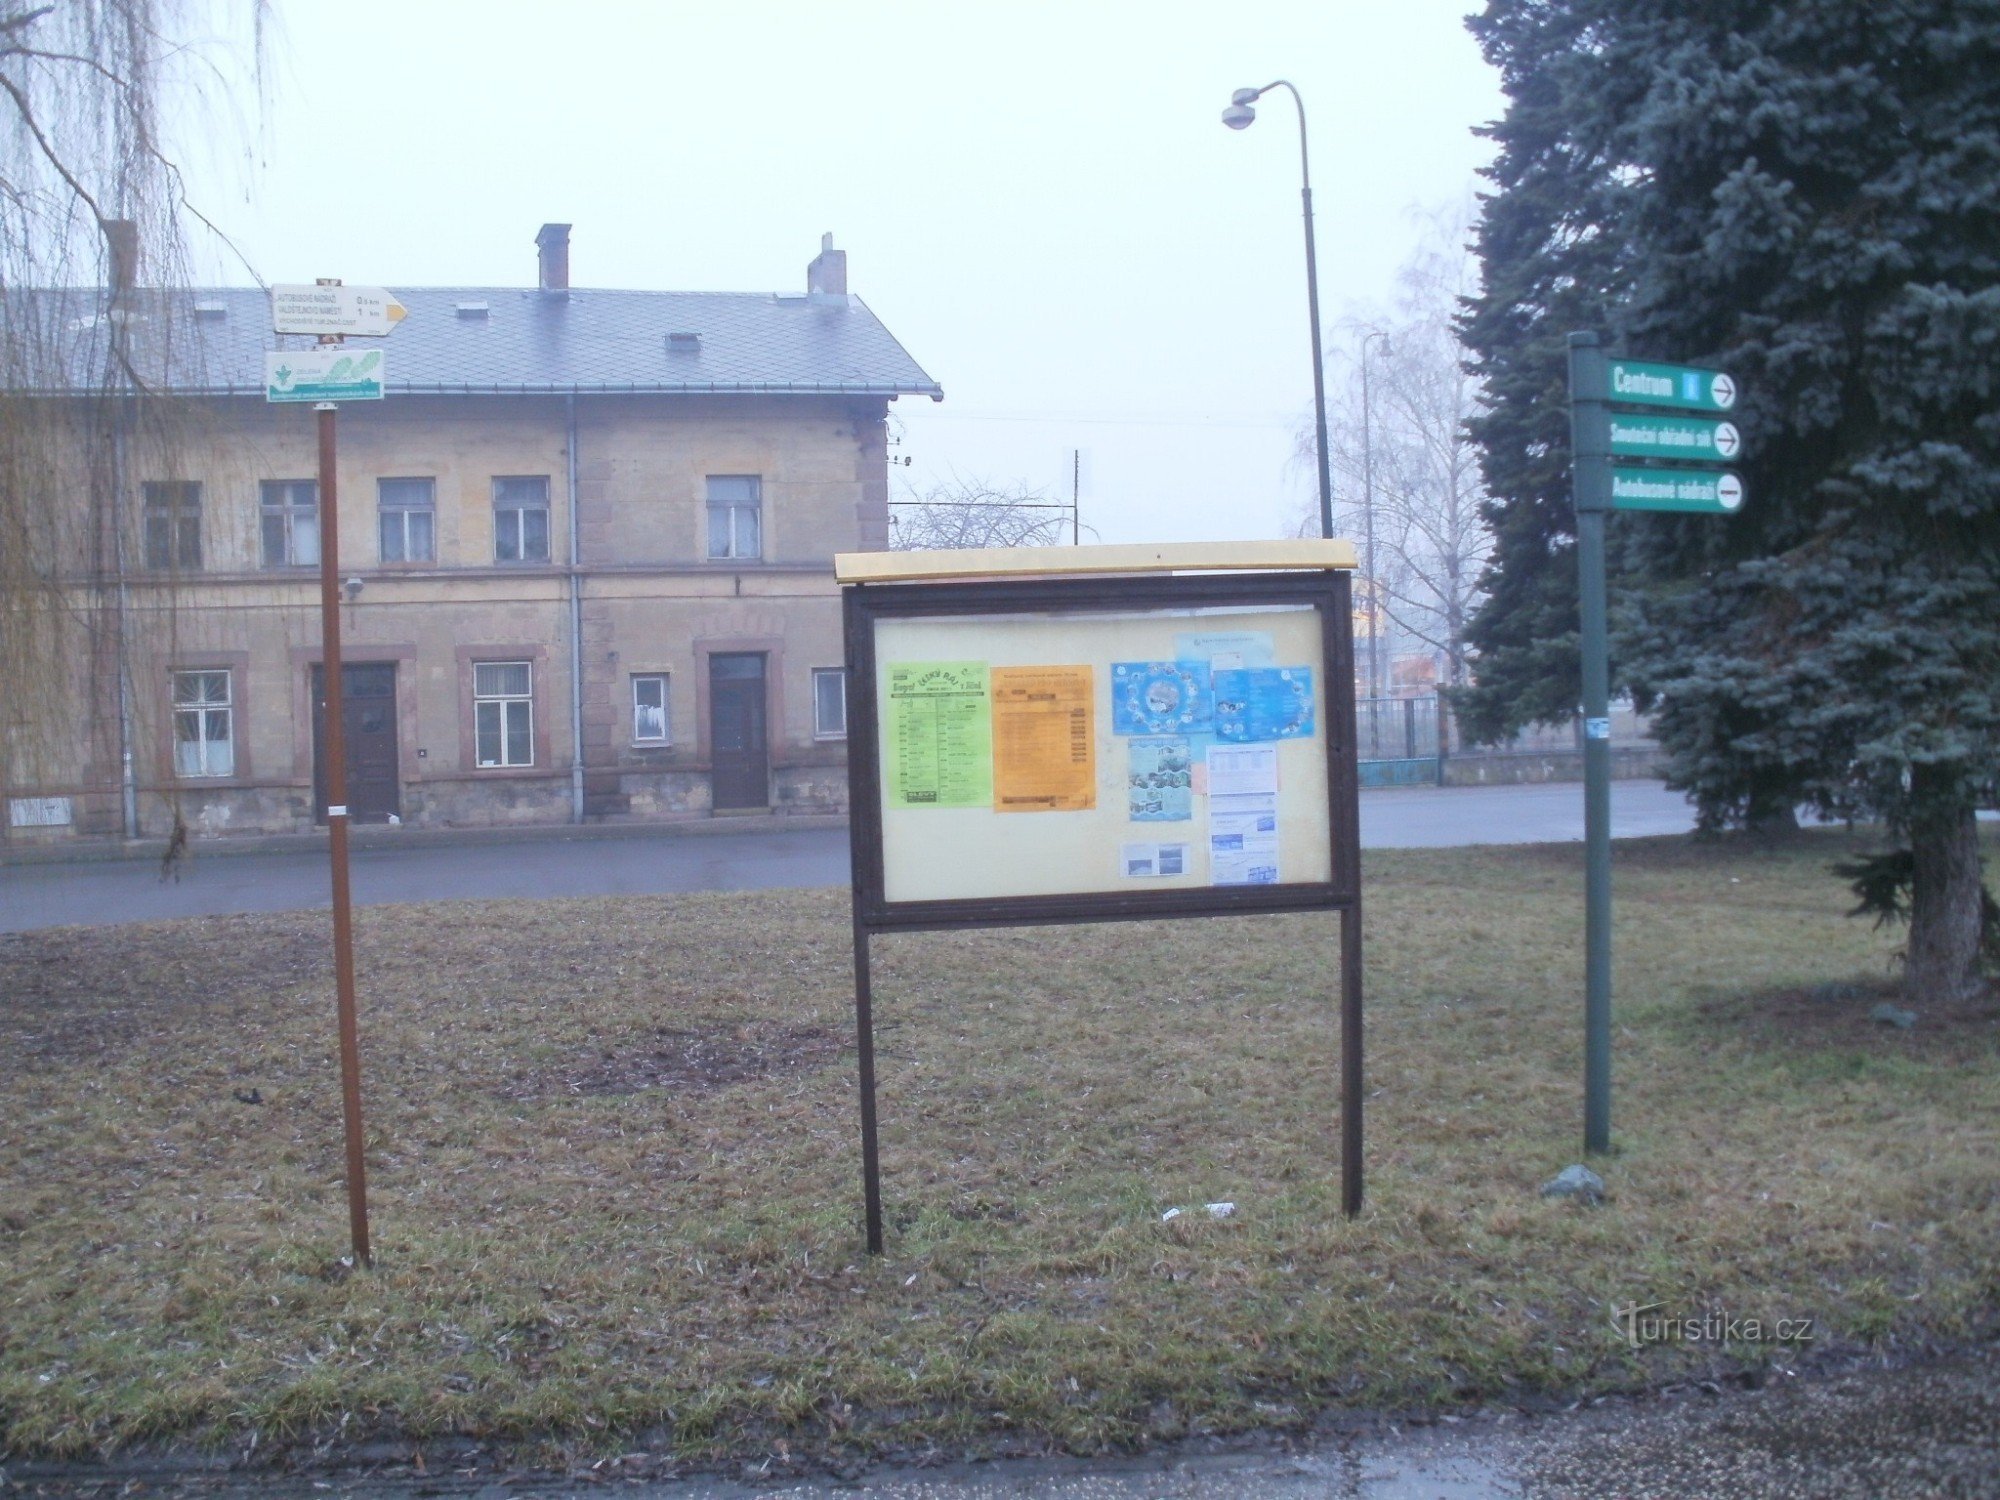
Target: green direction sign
x: 326, y: 374
x: 1689, y: 438
x: 1642, y: 384
x: 1710, y: 492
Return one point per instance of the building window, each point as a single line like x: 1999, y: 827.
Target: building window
x: 735, y: 516
x: 829, y: 703
x: 408, y: 509
x: 173, y: 525
x: 503, y: 713
x: 649, y: 708
x: 521, y: 519
x: 204, y: 725
x: 291, y: 523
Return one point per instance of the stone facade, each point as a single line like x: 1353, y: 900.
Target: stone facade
x: 651, y: 602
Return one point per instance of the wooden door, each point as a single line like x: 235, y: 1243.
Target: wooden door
x: 739, y: 759
x: 368, y: 714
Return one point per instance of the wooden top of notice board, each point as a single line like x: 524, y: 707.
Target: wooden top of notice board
x: 1162, y: 557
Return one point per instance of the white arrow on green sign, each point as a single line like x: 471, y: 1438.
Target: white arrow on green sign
x: 327, y: 374
x: 1673, y: 437
x: 1640, y: 383
x: 1712, y: 492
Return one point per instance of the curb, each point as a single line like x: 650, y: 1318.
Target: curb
x: 373, y: 836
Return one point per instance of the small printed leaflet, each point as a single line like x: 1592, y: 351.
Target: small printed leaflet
x: 1227, y: 650
x: 1264, y: 703
x: 1243, y: 814
x: 940, y: 740
x: 1243, y: 839
x: 1152, y: 861
x: 1160, y: 785
x: 1044, y: 745
x: 1159, y: 697
x: 1243, y: 771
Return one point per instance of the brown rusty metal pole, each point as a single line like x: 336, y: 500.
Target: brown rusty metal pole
x: 335, y: 744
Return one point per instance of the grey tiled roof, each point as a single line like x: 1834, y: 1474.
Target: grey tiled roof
x: 525, y: 341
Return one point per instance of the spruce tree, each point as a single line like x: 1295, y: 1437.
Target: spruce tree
x: 1807, y: 194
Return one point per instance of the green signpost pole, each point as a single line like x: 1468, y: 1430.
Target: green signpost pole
x: 1602, y: 388
x: 1590, y: 447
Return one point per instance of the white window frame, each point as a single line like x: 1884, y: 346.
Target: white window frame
x: 820, y: 729
x: 726, y: 517
x: 666, y: 734
x: 510, y: 517
x: 278, y: 499
x: 399, y: 511
x: 212, y: 720
x: 503, y: 706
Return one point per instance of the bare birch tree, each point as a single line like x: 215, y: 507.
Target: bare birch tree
x: 1401, y: 443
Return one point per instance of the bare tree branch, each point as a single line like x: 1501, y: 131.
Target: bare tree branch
x: 959, y: 513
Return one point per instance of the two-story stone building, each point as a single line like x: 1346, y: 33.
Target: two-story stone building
x: 586, y: 545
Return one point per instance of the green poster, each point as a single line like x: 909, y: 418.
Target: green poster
x: 940, y: 735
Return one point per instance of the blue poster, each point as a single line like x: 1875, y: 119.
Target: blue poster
x: 1160, y: 697
x: 1263, y: 703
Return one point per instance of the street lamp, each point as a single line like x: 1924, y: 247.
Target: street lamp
x: 1239, y: 116
x: 1368, y: 520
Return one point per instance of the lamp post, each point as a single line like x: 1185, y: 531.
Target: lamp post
x: 1239, y: 116
x: 1368, y: 520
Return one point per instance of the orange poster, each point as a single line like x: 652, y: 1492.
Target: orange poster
x: 1044, y: 745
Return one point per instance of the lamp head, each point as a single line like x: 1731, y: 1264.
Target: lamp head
x: 1238, y: 116
x: 352, y: 588
x: 1246, y: 96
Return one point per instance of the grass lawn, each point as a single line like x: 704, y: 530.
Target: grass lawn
x: 614, y: 1164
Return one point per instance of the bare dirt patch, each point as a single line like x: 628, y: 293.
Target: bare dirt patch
x: 74, y: 993
x: 684, y: 1061
x: 1842, y: 1015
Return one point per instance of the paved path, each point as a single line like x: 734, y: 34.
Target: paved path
x: 1859, y: 1433
x: 423, y: 866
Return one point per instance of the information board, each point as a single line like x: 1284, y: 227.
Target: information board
x: 1083, y: 747
x: 1099, y: 734
x: 1080, y: 751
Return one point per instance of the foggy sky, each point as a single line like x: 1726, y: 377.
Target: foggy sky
x: 1039, y: 200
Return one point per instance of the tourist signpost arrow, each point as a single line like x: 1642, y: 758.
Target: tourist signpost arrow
x: 356, y: 311
x: 1598, y: 385
x: 1635, y: 435
x: 1708, y: 492
x: 1638, y: 383
x: 324, y: 375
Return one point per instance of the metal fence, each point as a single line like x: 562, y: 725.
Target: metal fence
x: 1397, y: 728
x: 1408, y: 729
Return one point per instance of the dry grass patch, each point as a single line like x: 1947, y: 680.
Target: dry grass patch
x: 614, y: 1167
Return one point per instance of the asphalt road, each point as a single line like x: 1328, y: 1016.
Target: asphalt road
x: 424, y: 866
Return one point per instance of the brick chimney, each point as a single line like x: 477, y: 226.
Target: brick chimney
x: 553, y: 242
x: 121, y: 253
x: 827, y: 275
